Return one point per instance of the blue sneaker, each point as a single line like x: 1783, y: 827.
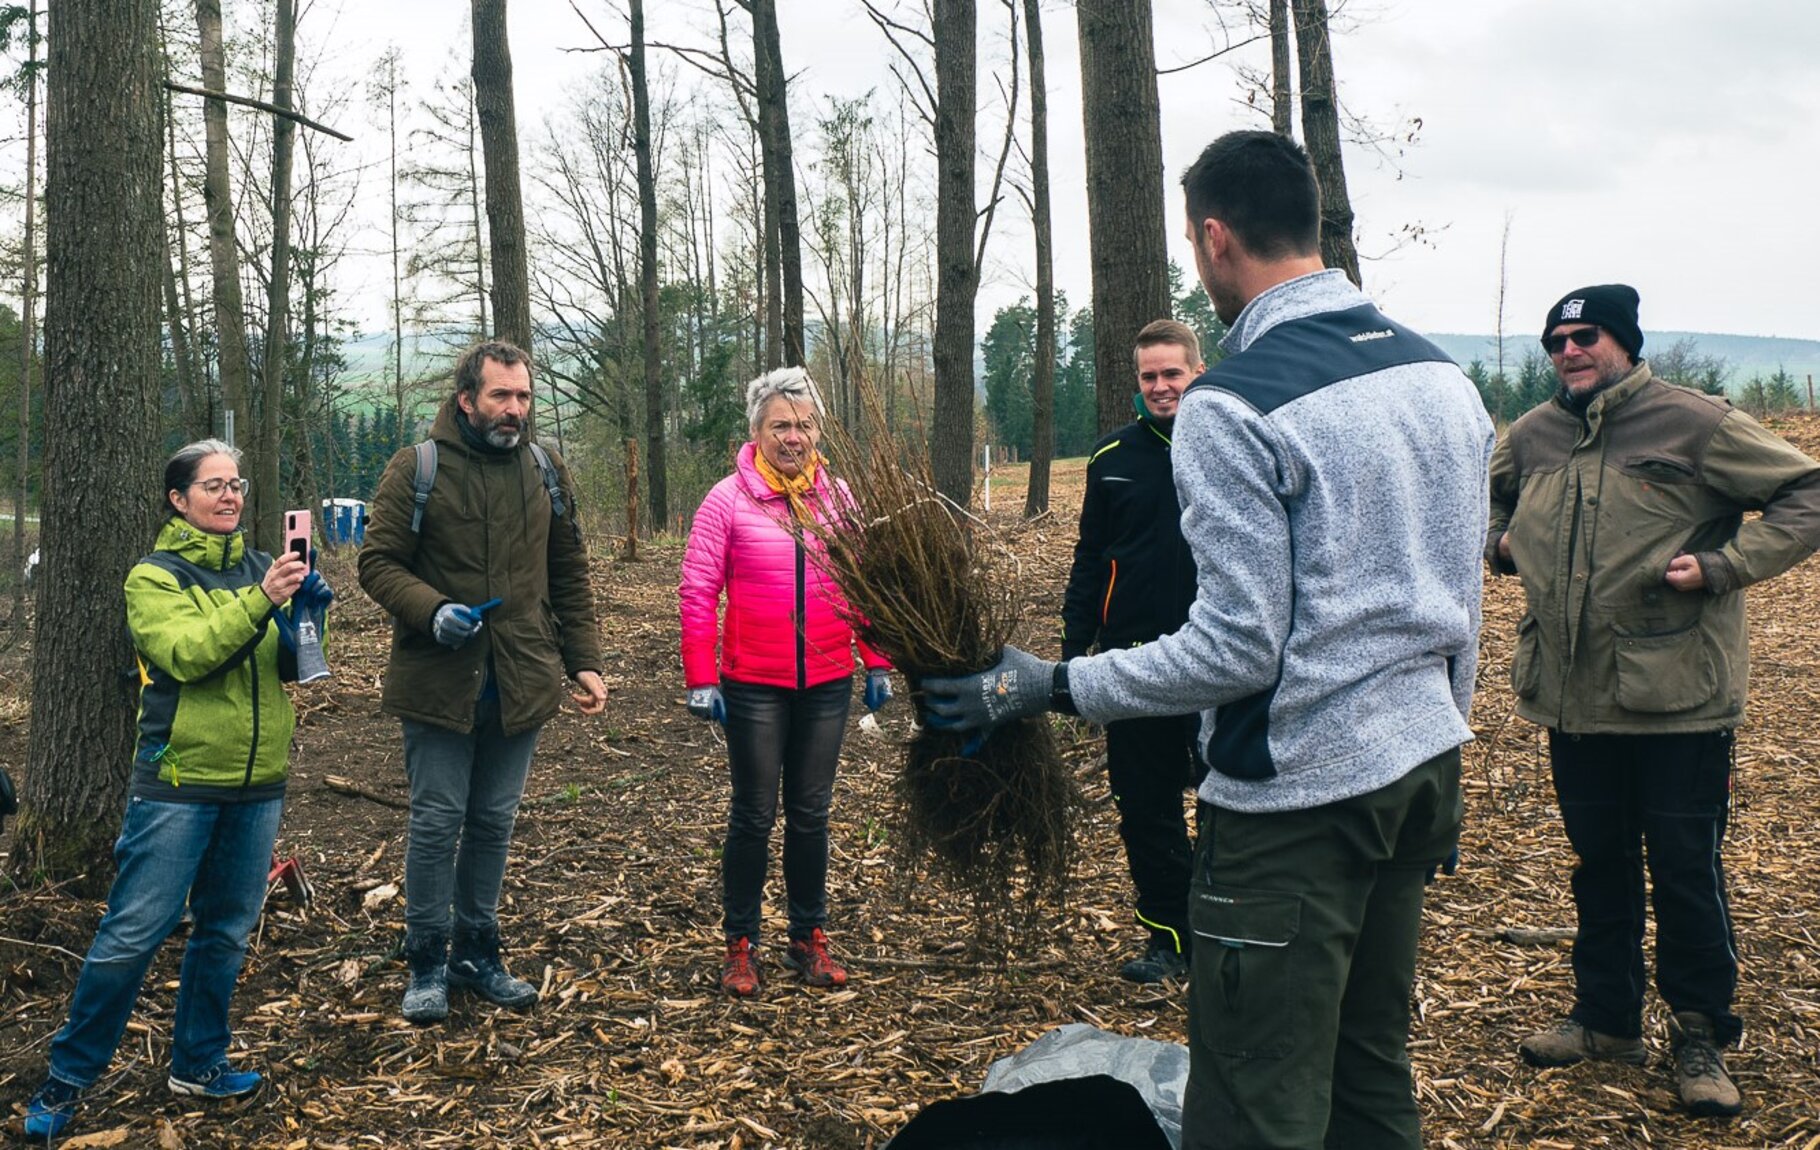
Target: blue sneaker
x: 218, y: 1081
x: 50, y: 1110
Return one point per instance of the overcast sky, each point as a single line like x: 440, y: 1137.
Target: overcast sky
x: 1670, y: 144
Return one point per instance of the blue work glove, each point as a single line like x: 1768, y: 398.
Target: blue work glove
x: 455, y: 624
x: 878, y: 688
x: 314, y: 593
x: 1019, y: 685
x: 706, y: 703
x: 287, y: 630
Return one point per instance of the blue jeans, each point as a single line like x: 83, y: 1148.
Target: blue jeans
x: 779, y: 734
x: 215, y: 855
x: 464, y: 799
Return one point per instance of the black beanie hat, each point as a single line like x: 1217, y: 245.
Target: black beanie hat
x: 1611, y: 306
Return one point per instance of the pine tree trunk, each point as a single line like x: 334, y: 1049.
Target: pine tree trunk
x: 956, y: 279
x: 647, y: 274
x: 1282, y: 112
x: 499, y: 145
x: 780, y: 171
x: 104, y: 207
x: 28, y: 310
x: 1125, y: 231
x: 1042, y: 380
x: 268, y: 496
x: 224, y: 257
x: 1321, y: 136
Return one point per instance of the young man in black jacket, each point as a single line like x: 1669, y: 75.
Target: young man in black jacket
x: 1132, y: 581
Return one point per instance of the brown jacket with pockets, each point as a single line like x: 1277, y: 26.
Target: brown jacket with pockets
x: 488, y: 532
x: 1596, y: 506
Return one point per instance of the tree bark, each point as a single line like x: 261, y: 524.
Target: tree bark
x: 1126, y: 239
x: 957, y: 280
x: 28, y: 310
x: 224, y: 257
x: 1042, y: 379
x: 1282, y: 112
x: 1321, y: 136
x: 499, y: 145
x: 780, y: 171
x: 268, y: 498
x: 104, y: 207
x: 647, y: 273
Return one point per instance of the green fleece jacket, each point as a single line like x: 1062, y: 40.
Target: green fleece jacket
x: 214, y: 722
x: 1595, y: 506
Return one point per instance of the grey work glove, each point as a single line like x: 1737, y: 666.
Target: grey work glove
x: 707, y: 703
x: 1017, y: 686
x: 455, y: 624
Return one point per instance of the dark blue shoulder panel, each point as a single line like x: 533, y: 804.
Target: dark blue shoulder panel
x: 1301, y: 356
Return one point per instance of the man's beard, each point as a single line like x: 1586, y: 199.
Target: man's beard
x: 502, y: 437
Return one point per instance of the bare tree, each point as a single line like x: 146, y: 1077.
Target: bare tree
x: 1321, y: 136
x: 780, y: 171
x: 1282, y: 113
x: 224, y: 258
x: 1125, y: 231
x: 1042, y: 381
x: 386, y: 87
x: 499, y: 144
x: 103, y: 207
x: 268, y: 498
x: 28, y: 313
x: 957, y: 273
x: 448, y: 262
x: 647, y: 268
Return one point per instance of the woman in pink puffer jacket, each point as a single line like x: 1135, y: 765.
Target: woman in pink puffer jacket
x: 783, y: 682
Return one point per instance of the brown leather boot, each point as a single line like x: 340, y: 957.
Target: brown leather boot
x: 1571, y: 1042
x: 1706, y: 1089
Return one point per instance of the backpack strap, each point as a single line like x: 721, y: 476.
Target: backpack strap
x: 558, y: 503
x: 426, y: 476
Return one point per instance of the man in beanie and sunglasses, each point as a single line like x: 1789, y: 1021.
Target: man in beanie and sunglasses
x: 1620, y: 504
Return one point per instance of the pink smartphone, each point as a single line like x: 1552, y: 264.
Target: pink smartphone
x: 297, y: 533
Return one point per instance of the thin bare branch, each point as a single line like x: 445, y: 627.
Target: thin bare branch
x: 249, y: 102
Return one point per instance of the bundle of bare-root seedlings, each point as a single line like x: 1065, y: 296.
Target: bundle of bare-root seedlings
x: 930, y: 589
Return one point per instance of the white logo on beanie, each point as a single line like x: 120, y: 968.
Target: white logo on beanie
x: 1572, y: 309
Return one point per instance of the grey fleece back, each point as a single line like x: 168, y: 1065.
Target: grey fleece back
x: 1336, y: 530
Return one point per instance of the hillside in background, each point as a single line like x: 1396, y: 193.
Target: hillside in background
x: 1746, y: 355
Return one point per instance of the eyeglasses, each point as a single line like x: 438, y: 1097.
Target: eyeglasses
x: 1582, y: 337
x: 214, y: 487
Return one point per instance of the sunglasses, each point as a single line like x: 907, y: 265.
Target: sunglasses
x: 1582, y: 337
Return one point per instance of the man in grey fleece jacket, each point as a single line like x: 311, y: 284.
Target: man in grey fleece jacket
x: 1332, y: 474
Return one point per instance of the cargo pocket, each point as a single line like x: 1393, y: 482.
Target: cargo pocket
x: 1242, y: 947
x: 1526, y: 663
x: 1664, y: 673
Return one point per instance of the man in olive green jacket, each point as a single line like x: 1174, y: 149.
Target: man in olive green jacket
x: 486, y: 578
x: 1620, y: 504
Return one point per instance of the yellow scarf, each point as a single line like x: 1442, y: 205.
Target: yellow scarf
x: 797, y: 489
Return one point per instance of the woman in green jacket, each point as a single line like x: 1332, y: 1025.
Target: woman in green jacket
x: 208, y: 784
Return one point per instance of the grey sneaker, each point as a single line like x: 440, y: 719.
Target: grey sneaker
x: 475, y: 967
x: 1571, y: 1042
x: 1160, y: 961
x: 426, y: 998
x: 1706, y: 1089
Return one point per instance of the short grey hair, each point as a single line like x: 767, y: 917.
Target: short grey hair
x: 792, y: 383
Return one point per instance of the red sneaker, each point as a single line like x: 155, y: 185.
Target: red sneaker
x: 809, y: 958
x: 739, y: 971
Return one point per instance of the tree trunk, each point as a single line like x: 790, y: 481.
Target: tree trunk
x: 956, y: 278
x: 1282, y: 112
x: 224, y: 257
x: 196, y: 403
x: 780, y: 172
x: 391, y: 91
x: 268, y: 497
x: 104, y: 206
x: 28, y: 310
x: 1042, y: 380
x: 499, y: 143
x: 647, y: 274
x: 1321, y: 136
x: 1126, y: 238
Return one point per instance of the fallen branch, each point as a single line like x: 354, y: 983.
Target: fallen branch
x: 249, y: 102
x: 348, y: 787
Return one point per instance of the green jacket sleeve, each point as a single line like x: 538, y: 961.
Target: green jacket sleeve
x: 187, y: 636
x: 1503, y: 488
x: 1761, y: 471
x: 571, y: 592
x: 391, y: 547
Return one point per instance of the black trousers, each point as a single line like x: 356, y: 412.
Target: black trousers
x: 1149, y: 762
x: 1661, y: 801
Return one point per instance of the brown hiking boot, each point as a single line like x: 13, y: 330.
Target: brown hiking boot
x: 1571, y: 1042
x: 739, y: 971
x: 1706, y: 1089
x: 809, y: 957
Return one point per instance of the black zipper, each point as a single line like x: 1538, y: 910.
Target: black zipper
x: 802, y: 622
